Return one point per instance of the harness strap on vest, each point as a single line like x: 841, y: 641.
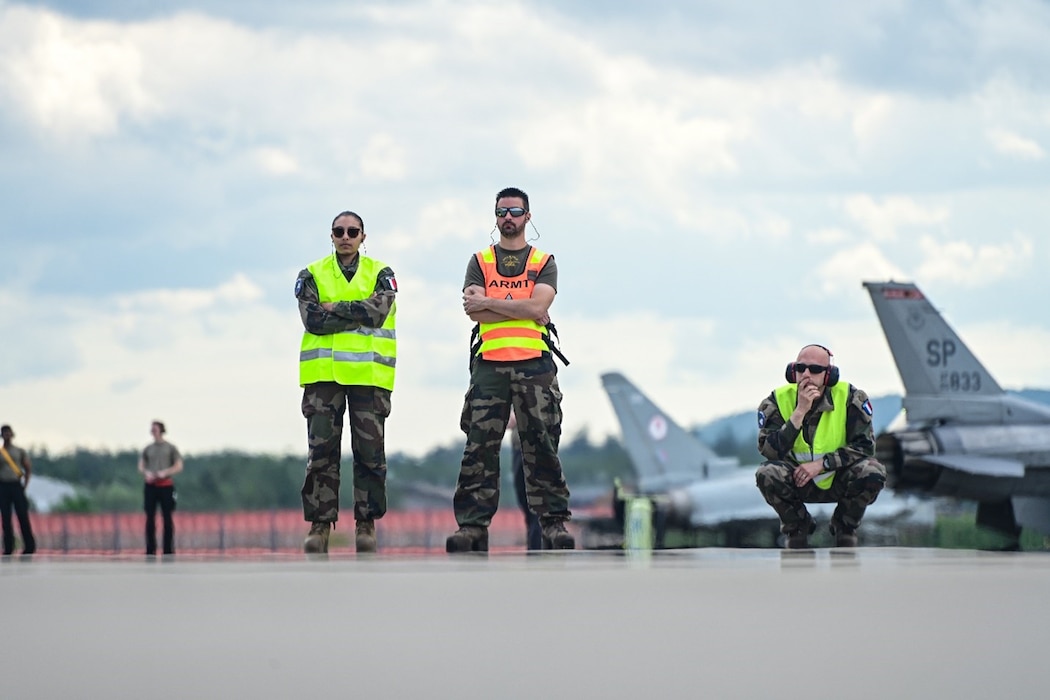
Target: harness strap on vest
x: 475, y: 344
x: 552, y: 332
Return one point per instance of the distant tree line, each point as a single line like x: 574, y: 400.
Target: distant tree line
x: 232, y: 480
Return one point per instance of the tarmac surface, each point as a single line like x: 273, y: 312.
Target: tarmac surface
x: 712, y: 623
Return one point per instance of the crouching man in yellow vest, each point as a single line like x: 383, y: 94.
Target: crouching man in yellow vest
x: 816, y: 433
x: 347, y: 357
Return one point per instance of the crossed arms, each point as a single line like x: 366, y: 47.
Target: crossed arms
x: 483, y: 309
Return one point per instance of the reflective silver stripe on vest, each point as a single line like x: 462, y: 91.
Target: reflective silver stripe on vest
x: 813, y: 456
x: 364, y: 357
x: 326, y: 353
x: 822, y: 477
x: 315, y: 354
x: 389, y: 333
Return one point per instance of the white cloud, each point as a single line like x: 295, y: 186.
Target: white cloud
x: 774, y: 226
x: 384, y: 158
x: 1008, y: 143
x: 828, y: 236
x: 276, y: 161
x: 883, y: 220
x: 69, y: 78
x: 218, y: 365
x: 841, y: 271
x: 239, y: 289
x: 973, y: 265
x: 872, y: 117
x: 720, y: 191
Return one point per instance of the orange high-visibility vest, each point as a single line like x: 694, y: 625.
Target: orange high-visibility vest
x: 514, y: 339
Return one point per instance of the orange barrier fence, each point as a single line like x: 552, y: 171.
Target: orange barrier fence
x: 257, y: 531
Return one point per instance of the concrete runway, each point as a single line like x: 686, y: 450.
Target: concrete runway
x: 716, y: 623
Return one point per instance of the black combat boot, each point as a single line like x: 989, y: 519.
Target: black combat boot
x: 844, y: 536
x: 468, y: 538
x: 799, y: 538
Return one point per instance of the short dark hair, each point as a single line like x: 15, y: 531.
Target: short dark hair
x: 514, y: 192
x: 353, y: 214
x: 5, y: 428
x: 160, y: 425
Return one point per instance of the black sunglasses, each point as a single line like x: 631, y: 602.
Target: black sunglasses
x: 513, y: 211
x: 801, y: 367
x: 339, y: 231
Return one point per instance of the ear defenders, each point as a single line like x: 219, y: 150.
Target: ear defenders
x: 833, y: 371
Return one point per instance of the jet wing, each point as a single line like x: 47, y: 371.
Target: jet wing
x: 978, y: 465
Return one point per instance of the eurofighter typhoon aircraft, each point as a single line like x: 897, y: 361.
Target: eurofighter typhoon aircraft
x: 962, y: 435
x: 692, y: 488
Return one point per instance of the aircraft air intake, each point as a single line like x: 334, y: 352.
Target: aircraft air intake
x: 901, y: 453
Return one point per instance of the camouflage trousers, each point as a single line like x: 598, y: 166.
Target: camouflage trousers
x: 854, y: 489
x: 530, y: 389
x: 323, y: 406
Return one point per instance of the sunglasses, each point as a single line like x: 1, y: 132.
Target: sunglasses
x: 339, y: 231
x: 801, y: 367
x: 513, y: 211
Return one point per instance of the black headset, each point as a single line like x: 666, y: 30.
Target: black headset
x: 833, y: 371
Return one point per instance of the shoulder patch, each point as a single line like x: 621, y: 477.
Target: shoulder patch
x: 391, y: 283
x: 761, y: 419
x: 867, y: 408
x: 298, y: 285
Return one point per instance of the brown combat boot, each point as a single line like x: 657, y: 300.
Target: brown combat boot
x: 799, y: 539
x: 468, y: 538
x: 365, y: 536
x: 846, y: 539
x: 317, y: 541
x: 555, y: 536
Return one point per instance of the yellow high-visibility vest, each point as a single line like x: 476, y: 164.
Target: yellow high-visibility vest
x: 360, y: 357
x: 831, y: 430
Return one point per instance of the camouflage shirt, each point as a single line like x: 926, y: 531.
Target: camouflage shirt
x: 776, y: 436
x: 345, y: 315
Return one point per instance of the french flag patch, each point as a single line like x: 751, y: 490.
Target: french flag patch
x: 867, y: 407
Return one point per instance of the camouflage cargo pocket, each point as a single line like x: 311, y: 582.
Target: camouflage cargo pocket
x: 466, y: 414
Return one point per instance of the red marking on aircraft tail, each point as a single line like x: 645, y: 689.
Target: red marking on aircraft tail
x: 902, y: 294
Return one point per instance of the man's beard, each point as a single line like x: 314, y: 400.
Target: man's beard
x: 510, y: 230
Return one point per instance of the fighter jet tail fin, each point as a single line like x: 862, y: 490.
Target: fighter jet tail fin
x: 931, y: 357
x: 663, y: 453
x: 943, y: 380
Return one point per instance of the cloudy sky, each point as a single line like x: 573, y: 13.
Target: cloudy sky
x: 715, y: 180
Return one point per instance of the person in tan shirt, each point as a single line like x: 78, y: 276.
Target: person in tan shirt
x: 159, y: 462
